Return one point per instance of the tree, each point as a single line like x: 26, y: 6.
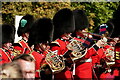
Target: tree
x: 97, y: 12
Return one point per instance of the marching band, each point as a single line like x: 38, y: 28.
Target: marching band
x: 62, y: 48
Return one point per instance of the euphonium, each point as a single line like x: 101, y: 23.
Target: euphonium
x: 78, y: 50
x: 55, y: 62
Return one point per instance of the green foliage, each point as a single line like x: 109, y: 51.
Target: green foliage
x: 97, y: 12
x: 37, y: 9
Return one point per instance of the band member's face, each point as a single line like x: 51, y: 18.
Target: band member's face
x: 116, y: 39
x: 25, y: 36
x: 7, y: 45
x: 46, y: 46
x: 84, y: 31
x: 28, y: 69
x: 66, y: 36
x: 106, y: 34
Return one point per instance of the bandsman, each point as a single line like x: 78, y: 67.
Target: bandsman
x: 24, y: 28
x: 116, y: 36
x: 6, y: 50
x: 105, y: 55
x: 40, y: 37
x: 84, y: 69
x: 63, y: 22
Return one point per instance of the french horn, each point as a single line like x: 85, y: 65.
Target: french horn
x: 55, y: 62
x: 78, y: 50
x: 110, y: 55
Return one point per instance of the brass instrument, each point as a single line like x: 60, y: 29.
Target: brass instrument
x: 78, y: 50
x: 110, y: 59
x: 101, y: 36
x: 110, y: 55
x: 55, y: 62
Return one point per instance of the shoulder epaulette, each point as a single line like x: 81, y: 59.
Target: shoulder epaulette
x: 6, y: 54
x: 24, y: 44
x: 55, y: 42
x: 17, y: 44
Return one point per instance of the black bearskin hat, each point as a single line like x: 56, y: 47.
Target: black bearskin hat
x: 63, y: 22
x: 110, y: 28
x: 116, y: 22
x: 116, y: 14
x: 41, y: 32
x: 25, y: 24
x: 8, y: 33
x: 81, y: 20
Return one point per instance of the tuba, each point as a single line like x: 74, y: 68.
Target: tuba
x: 78, y: 50
x: 55, y: 62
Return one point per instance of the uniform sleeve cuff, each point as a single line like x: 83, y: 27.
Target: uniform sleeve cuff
x: 95, y: 47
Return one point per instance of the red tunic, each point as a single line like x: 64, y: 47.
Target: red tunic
x: 38, y: 60
x: 5, y: 56
x: 96, y: 65
x: 8, y: 55
x: 97, y: 57
x: 25, y: 46
x: 83, y: 68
